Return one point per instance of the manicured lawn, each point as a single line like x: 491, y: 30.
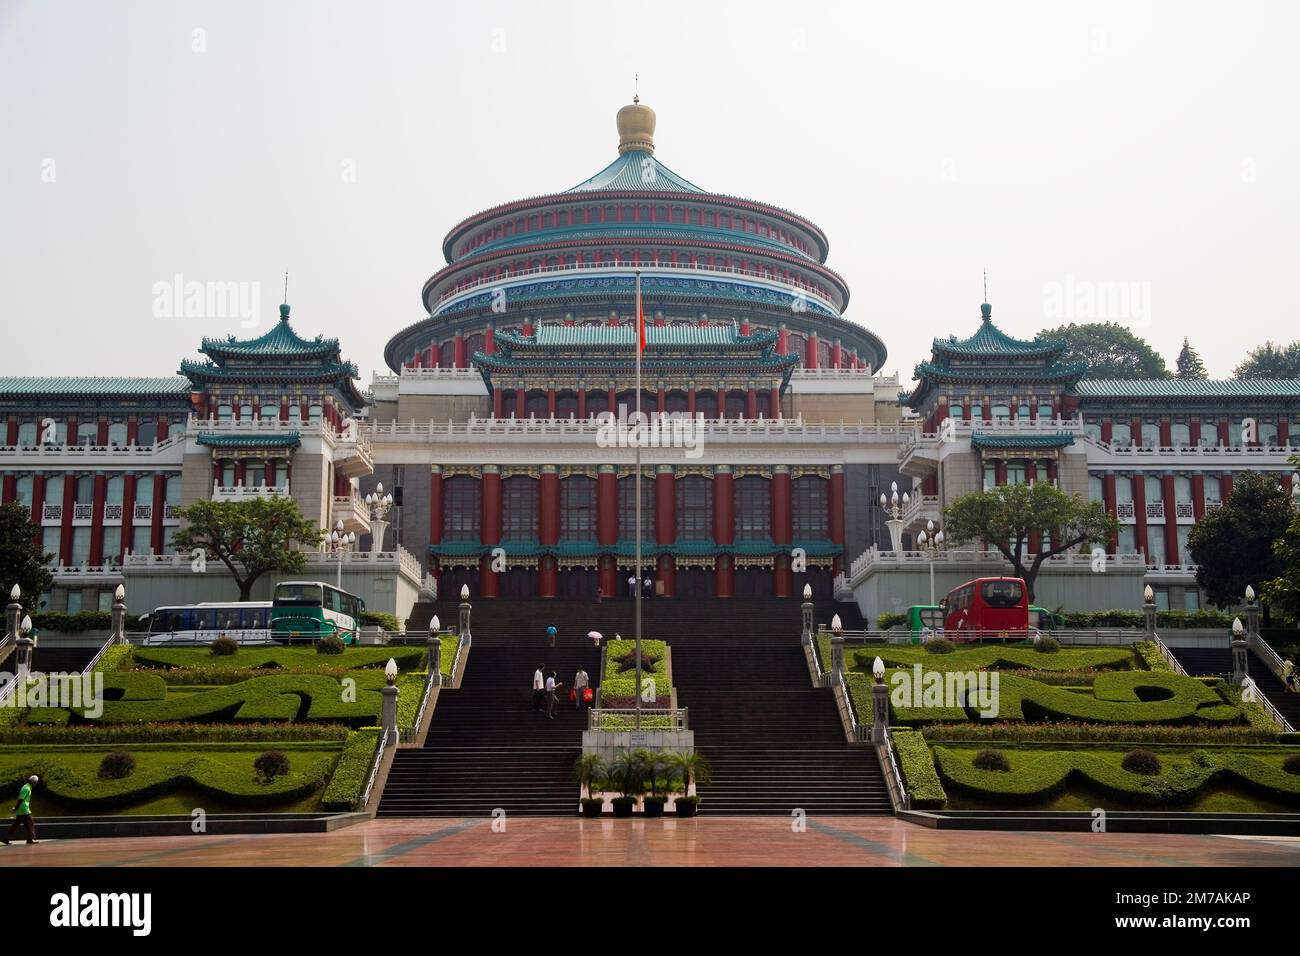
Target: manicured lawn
x: 996, y: 657
x: 288, y: 659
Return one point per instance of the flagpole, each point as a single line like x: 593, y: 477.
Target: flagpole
x: 637, y: 629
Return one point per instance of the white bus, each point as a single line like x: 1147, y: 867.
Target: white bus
x: 248, y: 622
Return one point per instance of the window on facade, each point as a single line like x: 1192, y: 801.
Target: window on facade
x: 1150, y: 435
x: 74, y: 602
x: 566, y: 405
x: 85, y: 490
x: 753, y: 507
x: 87, y: 433
x: 536, y: 406
x: 23, y: 490
x: 1213, y: 488
x: 27, y: 434
x: 990, y: 477
x: 1183, y: 490
x: 1121, y: 434
x: 694, y: 508
x: 1155, y: 545
x: 1180, y: 434
x: 54, y: 490
x: 1015, y: 472
x: 1001, y: 412
x: 1096, y: 488
x: 578, y: 508
x: 706, y: 404
x: 141, y: 540
x: 112, y: 544
x: 281, y: 473
x: 1092, y: 430
x: 1234, y: 433
x: 627, y: 508
x: 117, y: 433
x: 227, y: 473
x: 113, y: 490
x: 460, y: 508
x: 1191, y: 600
x: 1267, y: 434
x: 447, y: 354
x: 810, y: 507
x: 254, y: 473
x: 50, y: 542
x: 735, y: 405
x: 1045, y: 410
x: 172, y: 493
x: 269, y: 409
x: 519, y: 508
x: 225, y: 412
x: 314, y: 413
x: 977, y: 411
x: 80, y: 545
x: 146, y: 431
x: 1022, y: 410
x: 246, y: 411
x: 144, y: 489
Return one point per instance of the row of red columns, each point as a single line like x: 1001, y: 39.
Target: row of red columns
x: 660, y: 403
x: 665, y: 529
x: 1195, y: 428
x: 1141, y: 540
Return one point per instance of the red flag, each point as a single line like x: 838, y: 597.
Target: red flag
x: 640, y: 318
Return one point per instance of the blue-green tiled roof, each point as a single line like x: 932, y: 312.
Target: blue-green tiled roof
x: 990, y: 340
x: 636, y: 170
x: 280, y: 340
x: 1176, y: 388
x: 95, y: 385
x: 1013, y: 440
x: 223, y: 440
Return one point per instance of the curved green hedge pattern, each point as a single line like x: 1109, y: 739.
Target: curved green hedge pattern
x: 200, y: 773
x: 1117, y: 697
x: 997, y: 657
x: 1050, y: 773
x: 284, y: 658
x: 142, y: 698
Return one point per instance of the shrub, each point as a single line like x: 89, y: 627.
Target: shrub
x: 271, y: 764
x: 77, y: 623
x: 224, y: 646
x: 1141, y: 761
x: 889, y: 620
x: 1047, y: 645
x: 991, y: 759
x: 116, y: 765
x: 348, y: 784
x: 383, y: 619
x: 330, y: 645
x: 939, y: 645
x: 1292, y: 764
x: 916, y: 764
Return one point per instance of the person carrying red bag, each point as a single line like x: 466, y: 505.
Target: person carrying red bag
x: 581, y: 691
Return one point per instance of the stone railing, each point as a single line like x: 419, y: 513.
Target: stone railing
x: 876, y: 559
x: 72, y: 455
x: 222, y: 492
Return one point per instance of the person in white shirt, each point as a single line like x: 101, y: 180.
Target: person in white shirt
x: 539, y: 688
x: 551, y: 686
x: 631, y: 586
x: 580, y: 681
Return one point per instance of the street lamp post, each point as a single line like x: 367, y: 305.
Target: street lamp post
x: 341, y: 543
x: 930, y: 541
x: 894, y: 507
x: 379, y: 504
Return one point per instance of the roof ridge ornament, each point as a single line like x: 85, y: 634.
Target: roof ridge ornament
x: 636, y: 128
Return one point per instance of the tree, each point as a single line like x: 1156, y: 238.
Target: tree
x: 1283, y: 591
x: 1006, y: 516
x: 1109, y: 350
x: 22, y: 561
x: 1271, y: 361
x: 249, y: 537
x: 1232, y: 546
x: 1189, y: 365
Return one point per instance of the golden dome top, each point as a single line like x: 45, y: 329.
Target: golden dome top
x: 636, y: 127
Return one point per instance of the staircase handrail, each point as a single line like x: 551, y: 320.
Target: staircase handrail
x: 895, y: 772
x: 1249, y: 687
x: 1169, y: 657
x: 374, y: 770
x: 1265, y: 652
x: 678, y: 717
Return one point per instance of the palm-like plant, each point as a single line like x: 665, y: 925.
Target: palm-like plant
x: 656, y: 763
x: 627, y: 772
x: 589, y: 769
x: 694, y: 768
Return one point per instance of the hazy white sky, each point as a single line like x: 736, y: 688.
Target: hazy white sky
x: 1134, y: 161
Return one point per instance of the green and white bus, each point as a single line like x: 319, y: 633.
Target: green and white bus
x: 310, y: 610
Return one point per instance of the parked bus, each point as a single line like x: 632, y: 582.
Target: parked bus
x: 310, y: 610
x: 1045, y: 620
x: 987, y: 607
x: 248, y: 622
x: 924, y: 619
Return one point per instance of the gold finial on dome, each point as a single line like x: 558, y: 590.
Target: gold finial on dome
x: 636, y: 127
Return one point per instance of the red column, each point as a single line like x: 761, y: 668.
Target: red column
x: 38, y: 503
x: 723, y: 576
x: 1225, y: 487
x: 751, y: 403
x: 159, y: 505
x: 1109, y: 498
x: 1198, y: 496
x: 1166, y: 440
x: 582, y: 401
x: 548, y: 576
x: 1000, y: 471
x: 65, y: 532
x: 435, y: 504
x: 460, y: 351
x: 1223, y: 431
x: 774, y: 402
x: 490, y: 341
x: 550, y: 401
x: 783, y: 341
x: 666, y: 525
x: 1194, y: 431
x: 724, y: 526
x: 548, y: 507
x: 661, y: 399
x: 97, y: 519
x: 836, y: 498
x: 811, y: 353
x: 690, y: 400
x: 607, y: 507
x: 101, y: 433
x: 521, y: 399
x: 1140, y: 513
x: 1136, y: 427
x: 11, y: 433
x: 1171, y: 518
x: 71, y: 438
x: 612, y: 399
x: 128, y: 510
x: 1283, y: 431
x: 10, y: 489
x: 489, y: 528
x: 498, y: 402
x: 1106, y: 430
x: 608, y: 580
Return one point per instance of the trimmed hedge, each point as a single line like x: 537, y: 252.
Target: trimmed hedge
x: 889, y: 620
x: 1047, y: 774
x: 388, y: 622
x: 1176, y: 620
x: 997, y: 657
x: 87, y: 734
x: 916, y: 764
x: 204, y: 774
x: 287, y: 659
x: 352, y: 772
x: 1128, y: 697
x: 1149, y: 656
x: 116, y: 658
x: 77, y: 623
x: 1066, y: 732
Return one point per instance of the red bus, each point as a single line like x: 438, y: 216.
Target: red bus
x: 987, y: 607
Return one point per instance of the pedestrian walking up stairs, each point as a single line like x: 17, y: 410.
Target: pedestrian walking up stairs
x: 1204, y: 661
x: 775, y: 742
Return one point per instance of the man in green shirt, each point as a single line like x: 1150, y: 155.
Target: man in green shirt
x: 23, y: 812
